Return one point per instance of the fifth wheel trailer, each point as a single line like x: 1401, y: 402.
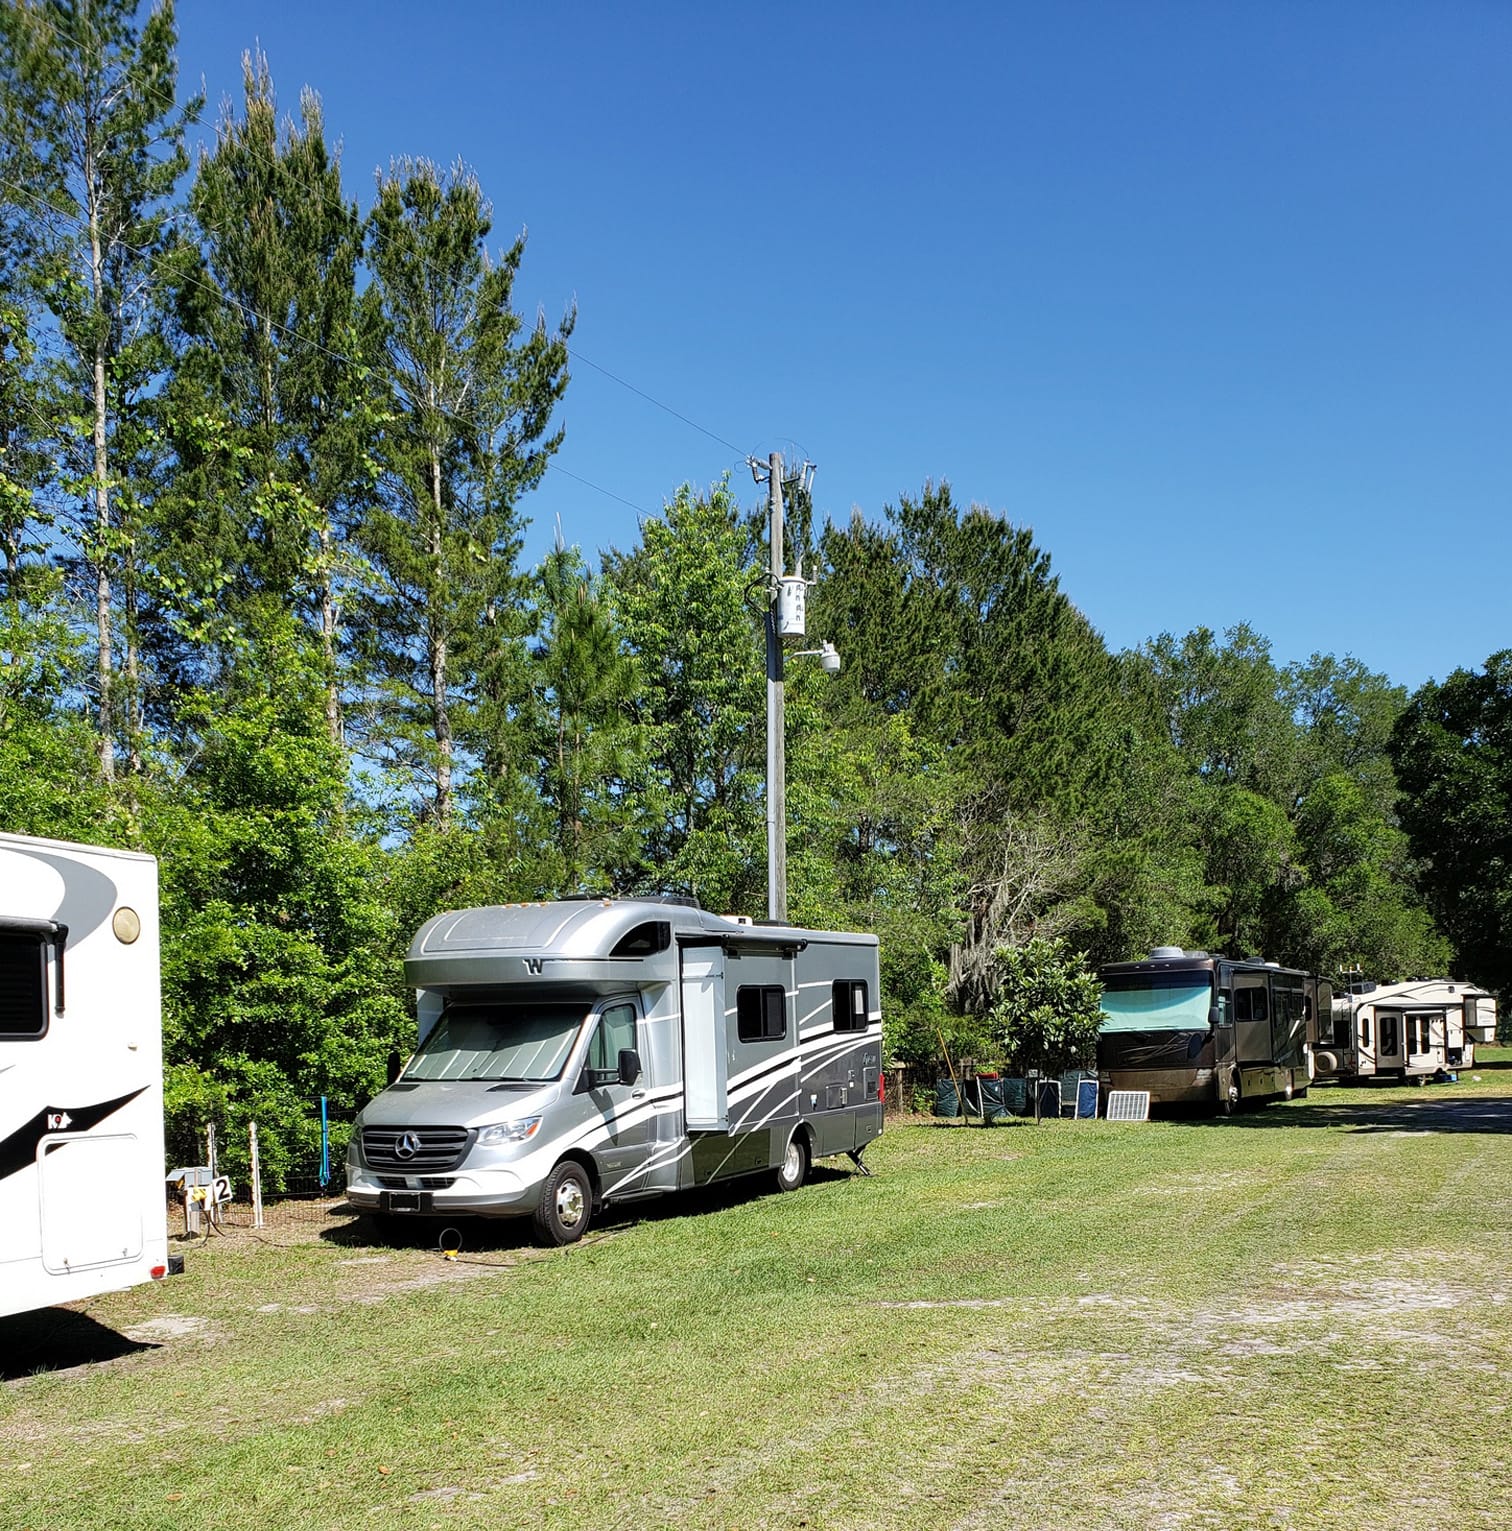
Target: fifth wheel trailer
x: 586, y: 1053
x: 82, y: 1207
x: 1410, y: 1030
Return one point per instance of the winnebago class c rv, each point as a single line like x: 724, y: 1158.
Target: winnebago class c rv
x: 579, y: 1054
x: 82, y: 1206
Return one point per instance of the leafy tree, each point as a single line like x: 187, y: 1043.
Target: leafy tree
x: 1047, y: 1012
x: 682, y: 600
x: 1452, y: 749
x: 469, y: 396
x: 1223, y: 708
x: 280, y: 960
x: 97, y: 97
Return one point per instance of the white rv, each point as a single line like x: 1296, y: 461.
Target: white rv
x: 583, y: 1053
x: 1410, y: 1030
x: 82, y: 1207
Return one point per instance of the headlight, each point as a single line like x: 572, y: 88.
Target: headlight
x: 509, y: 1132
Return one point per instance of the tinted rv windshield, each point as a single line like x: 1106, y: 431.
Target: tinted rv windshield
x: 1173, y: 1003
x: 498, y: 1041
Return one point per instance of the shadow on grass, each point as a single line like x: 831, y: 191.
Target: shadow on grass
x: 56, y: 1339
x: 1444, y: 1113
x: 493, y: 1235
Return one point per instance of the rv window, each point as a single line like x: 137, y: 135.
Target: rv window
x: 760, y: 1013
x: 1388, y: 1035
x: 645, y: 940
x: 850, y: 1005
x: 616, y: 1031
x: 1249, y: 1004
x: 23, y: 984
x: 1364, y: 1031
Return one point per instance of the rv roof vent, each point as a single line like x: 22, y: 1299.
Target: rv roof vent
x: 1165, y: 953
x: 1195, y: 953
x: 1273, y: 964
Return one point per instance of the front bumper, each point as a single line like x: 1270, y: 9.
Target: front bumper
x: 480, y: 1193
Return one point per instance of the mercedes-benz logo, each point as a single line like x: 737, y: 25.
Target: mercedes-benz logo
x: 407, y: 1146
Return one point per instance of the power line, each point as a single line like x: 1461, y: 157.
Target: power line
x: 380, y: 239
x: 294, y: 336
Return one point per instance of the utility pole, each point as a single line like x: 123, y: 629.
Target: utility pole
x: 784, y: 617
x: 776, y: 770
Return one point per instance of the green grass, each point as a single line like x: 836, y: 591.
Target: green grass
x: 1298, y: 1319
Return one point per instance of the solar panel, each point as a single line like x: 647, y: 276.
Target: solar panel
x: 1128, y: 1105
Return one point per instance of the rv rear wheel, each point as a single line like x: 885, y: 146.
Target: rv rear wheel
x: 793, y: 1170
x: 566, y: 1205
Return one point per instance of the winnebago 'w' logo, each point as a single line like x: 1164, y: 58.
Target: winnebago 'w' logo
x: 534, y: 964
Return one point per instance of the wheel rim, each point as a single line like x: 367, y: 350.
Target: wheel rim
x: 569, y: 1203
x: 792, y: 1163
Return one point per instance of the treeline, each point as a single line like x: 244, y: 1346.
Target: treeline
x: 263, y: 612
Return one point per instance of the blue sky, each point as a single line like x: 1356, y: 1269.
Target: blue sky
x: 1215, y: 297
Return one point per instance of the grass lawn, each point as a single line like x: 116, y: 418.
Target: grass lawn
x: 1300, y: 1318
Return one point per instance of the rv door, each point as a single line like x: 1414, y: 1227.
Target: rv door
x: 705, y: 1055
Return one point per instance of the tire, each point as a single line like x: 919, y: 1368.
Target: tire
x: 1228, y: 1102
x: 566, y: 1205
x: 794, y: 1169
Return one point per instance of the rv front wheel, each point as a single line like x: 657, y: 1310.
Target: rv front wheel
x: 566, y: 1204
x: 793, y: 1170
x: 1228, y: 1102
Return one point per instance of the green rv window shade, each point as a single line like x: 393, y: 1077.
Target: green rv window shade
x: 23, y: 984
x: 760, y: 1013
x: 1171, y: 1006
x: 850, y: 1005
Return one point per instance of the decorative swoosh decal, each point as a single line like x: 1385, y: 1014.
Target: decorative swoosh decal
x: 20, y: 1149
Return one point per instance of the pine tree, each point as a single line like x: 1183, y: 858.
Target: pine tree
x: 469, y: 392
x: 98, y: 97
x: 272, y: 414
x: 586, y: 742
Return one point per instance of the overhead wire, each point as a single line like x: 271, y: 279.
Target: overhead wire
x: 292, y: 335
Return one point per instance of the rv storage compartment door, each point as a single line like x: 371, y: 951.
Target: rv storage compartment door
x: 92, y: 1201
x: 705, y: 1100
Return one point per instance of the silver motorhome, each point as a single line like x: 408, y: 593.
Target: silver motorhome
x: 584, y: 1053
x: 82, y: 1208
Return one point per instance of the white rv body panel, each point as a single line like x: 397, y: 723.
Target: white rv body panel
x: 82, y: 1205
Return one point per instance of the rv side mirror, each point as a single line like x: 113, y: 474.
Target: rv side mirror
x: 1212, y: 1015
x: 629, y: 1065
x: 395, y: 1065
